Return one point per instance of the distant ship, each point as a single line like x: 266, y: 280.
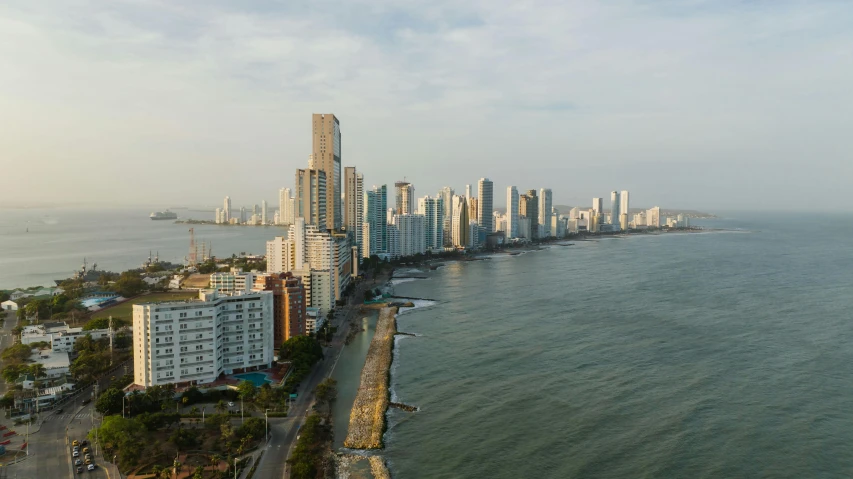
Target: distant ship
x: 163, y: 215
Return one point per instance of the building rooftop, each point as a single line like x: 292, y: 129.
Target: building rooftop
x: 50, y: 359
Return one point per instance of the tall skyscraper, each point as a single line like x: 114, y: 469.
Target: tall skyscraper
x: 528, y: 205
x: 653, y: 217
x: 460, y: 222
x: 511, y: 212
x: 243, y: 216
x: 227, y: 209
x: 375, y: 230
x: 598, y: 204
x: 326, y: 156
x: 411, y: 231
x: 285, y: 206
x: 311, y: 195
x: 264, y: 212
x: 473, y: 209
x: 446, y: 195
x: 485, y: 206
x: 614, y: 208
x: 405, y: 204
x: 468, y: 191
x: 545, y: 212
x: 624, y: 205
x: 354, y: 204
x: 433, y: 211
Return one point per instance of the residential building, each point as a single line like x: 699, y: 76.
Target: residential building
x: 433, y: 211
x: 354, y: 206
x: 460, y: 222
x: 233, y: 281
x: 405, y: 198
x: 446, y: 195
x: 326, y: 154
x: 485, y: 207
x: 393, y: 251
x: 412, y: 233
x: 511, y: 212
x: 61, y: 337
x: 311, y: 197
x: 473, y: 235
x: 56, y: 364
x: 263, y: 212
x: 289, y: 303
x: 574, y: 213
x: 196, y: 341
x: 227, y: 209
x: 524, y: 227
x: 375, y: 234
x: 653, y: 217
x: 598, y: 204
x: 545, y: 212
x: 285, y: 207
x: 473, y: 209
x: 614, y: 208
x: 528, y: 206
x: 315, y: 321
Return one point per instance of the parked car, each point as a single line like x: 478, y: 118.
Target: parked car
x: 84, y: 442
x: 92, y: 467
x: 75, y: 443
x: 58, y: 411
x: 80, y: 470
x: 230, y: 404
x: 78, y: 462
x: 75, y: 454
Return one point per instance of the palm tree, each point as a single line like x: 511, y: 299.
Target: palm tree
x: 221, y: 407
x: 38, y: 370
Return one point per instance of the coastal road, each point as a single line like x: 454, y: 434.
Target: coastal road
x: 284, y: 431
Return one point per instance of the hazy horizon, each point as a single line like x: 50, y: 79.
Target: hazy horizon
x: 711, y: 106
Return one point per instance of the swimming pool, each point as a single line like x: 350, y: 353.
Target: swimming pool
x: 258, y: 378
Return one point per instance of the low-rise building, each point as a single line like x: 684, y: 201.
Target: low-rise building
x: 56, y: 364
x: 315, y: 320
x: 60, y: 336
x: 9, y: 305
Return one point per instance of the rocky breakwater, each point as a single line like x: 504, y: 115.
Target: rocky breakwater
x: 367, y: 420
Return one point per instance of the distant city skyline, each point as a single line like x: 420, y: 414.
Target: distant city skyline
x: 708, y: 105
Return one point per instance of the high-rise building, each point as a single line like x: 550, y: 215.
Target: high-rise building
x: 326, y: 154
x: 485, y: 206
x: 410, y: 231
x: 433, y: 211
x: 545, y: 212
x: 624, y: 206
x: 614, y: 208
x: 653, y: 217
x: 598, y: 204
x: 227, y: 209
x: 473, y: 209
x: 528, y: 206
x: 243, y: 215
x: 511, y: 212
x: 375, y: 205
x: 354, y: 205
x: 232, y: 282
x: 218, y: 216
x: 460, y: 222
x: 446, y: 195
x: 289, y: 303
x: 405, y: 204
x: 309, y: 250
x: 473, y: 234
x: 468, y: 191
x: 311, y: 196
x: 285, y: 206
x: 264, y: 212
x: 196, y: 341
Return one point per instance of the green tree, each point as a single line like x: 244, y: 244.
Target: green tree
x: 104, y: 323
x: 110, y: 401
x: 247, y: 390
x: 122, y: 437
x: 129, y: 284
x: 13, y: 371
x: 192, y: 395
x: 37, y: 370
x: 17, y: 353
x: 253, y: 427
x: 198, y: 473
x: 73, y: 288
x: 183, y: 438
x: 304, y: 350
x: 326, y: 392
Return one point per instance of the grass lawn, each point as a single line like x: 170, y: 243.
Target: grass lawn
x: 125, y: 309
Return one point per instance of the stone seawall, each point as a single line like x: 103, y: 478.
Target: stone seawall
x: 367, y: 420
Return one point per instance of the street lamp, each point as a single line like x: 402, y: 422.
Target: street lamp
x: 266, y: 427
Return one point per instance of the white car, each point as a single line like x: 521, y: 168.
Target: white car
x: 91, y: 467
x: 231, y: 404
x: 76, y: 454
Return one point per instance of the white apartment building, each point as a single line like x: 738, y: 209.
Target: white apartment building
x: 432, y: 210
x: 236, y: 280
x: 61, y: 337
x: 412, y: 234
x: 196, y: 341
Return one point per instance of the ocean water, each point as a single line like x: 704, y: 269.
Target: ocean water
x: 723, y: 354
x: 116, y: 239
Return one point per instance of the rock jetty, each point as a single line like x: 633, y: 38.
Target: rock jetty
x: 367, y: 420
x: 403, y: 407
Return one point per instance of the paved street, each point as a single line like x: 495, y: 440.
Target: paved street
x: 284, y: 430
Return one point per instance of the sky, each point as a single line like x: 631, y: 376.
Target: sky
x: 709, y: 105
